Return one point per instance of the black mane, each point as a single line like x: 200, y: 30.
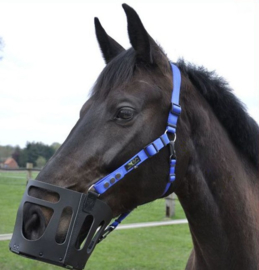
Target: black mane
x: 242, y: 129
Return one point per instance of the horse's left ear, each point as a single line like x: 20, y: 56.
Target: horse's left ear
x: 109, y: 47
x: 140, y: 40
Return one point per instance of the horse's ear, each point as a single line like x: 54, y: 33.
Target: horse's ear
x: 140, y: 40
x: 109, y: 47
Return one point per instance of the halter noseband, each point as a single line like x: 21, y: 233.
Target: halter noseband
x: 147, y: 152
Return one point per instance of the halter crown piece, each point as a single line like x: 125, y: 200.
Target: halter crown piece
x: 147, y: 152
x: 73, y: 253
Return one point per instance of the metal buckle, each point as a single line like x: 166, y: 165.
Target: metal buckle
x: 175, y: 109
x: 105, y: 233
x: 172, y: 154
x: 92, y: 189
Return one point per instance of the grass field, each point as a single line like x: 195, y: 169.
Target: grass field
x: 157, y: 248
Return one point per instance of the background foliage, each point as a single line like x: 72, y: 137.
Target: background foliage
x: 34, y: 152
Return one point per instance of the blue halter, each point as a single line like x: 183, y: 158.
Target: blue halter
x: 147, y: 152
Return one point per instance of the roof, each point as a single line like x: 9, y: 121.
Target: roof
x: 11, y: 163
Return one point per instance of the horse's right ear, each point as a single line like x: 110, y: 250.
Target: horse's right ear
x: 140, y: 40
x: 109, y: 47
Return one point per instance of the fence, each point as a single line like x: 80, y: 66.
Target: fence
x: 169, y: 200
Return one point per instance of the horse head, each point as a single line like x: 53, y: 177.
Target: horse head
x: 127, y: 110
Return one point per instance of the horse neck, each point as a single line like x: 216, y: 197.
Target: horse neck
x: 219, y: 191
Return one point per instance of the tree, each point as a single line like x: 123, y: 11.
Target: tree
x: 36, y: 153
x: 5, y: 152
x: 55, y: 146
x: 40, y: 162
x: 33, y: 151
x: 16, y: 154
x: 23, y: 158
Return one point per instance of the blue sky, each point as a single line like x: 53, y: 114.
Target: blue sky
x: 51, y: 57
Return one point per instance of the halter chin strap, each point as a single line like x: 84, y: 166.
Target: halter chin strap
x: 149, y: 151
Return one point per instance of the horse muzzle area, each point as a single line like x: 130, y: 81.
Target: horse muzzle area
x: 34, y: 222
x: 62, y: 227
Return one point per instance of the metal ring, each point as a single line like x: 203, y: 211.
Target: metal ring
x: 166, y: 131
x: 92, y: 189
x: 174, y: 137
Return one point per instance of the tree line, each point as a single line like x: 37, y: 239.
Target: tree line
x: 34, y: 152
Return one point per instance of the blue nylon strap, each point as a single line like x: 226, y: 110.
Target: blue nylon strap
x: 117, y: 221
x: 176, y: 84
x: 150, y: 150
x: 171, y: 175
x: 173, y: 118
x: 175, y: 107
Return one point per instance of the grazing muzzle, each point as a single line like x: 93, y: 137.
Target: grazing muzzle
x: 88, y: 220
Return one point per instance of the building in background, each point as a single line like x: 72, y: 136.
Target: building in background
x: 10, y: 163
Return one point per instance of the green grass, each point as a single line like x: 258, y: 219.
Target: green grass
x: 12, y: 186
x: 157, y: 248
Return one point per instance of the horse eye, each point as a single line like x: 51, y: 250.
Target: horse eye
x: 125, y: 114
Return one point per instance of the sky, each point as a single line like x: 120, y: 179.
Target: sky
x: 51, y: 58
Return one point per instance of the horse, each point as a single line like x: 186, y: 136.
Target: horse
x: 216, y: 145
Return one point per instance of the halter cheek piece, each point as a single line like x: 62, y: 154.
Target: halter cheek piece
x: 88, y: 207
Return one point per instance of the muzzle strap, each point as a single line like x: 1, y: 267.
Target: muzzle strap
x: 113, y: 226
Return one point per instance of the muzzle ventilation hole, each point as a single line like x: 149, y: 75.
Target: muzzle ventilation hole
x: 44, y: 194
x: 82, y: 236
x: 95, y: 238
x: 63, y: 225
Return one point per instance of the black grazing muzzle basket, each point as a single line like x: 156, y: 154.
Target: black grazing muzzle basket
x: 83, y: 207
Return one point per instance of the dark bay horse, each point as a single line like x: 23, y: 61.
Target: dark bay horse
x: 216, y: 146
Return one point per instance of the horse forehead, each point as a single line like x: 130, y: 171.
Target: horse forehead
x: 139, y: 85
x: 145, y: 82
x: 86, y: 106
x: 138, y: 92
